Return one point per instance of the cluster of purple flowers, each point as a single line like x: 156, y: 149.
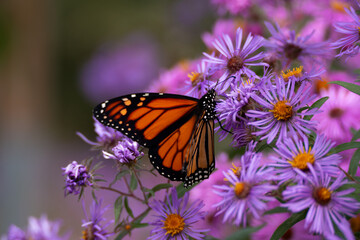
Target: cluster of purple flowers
x: 273, y: 95
x: 247, y: 190
x: 327, y: 204
x: 38, y: 228
x: 77, y: 176
x: 126, y: 151
x: 266, y: 89
x: 275, y: 107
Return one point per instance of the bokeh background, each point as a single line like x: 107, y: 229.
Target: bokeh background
x: 57, y: 61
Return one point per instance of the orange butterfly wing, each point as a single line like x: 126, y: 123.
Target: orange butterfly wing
x: 178, y: 130
x: 162, y: 122
x: 200, y: 158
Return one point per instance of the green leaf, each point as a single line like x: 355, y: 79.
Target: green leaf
x: 349, y: 86
x: 316, y: 104
x: 161, y: 186
x: 128, y: 209
x: 99, y: 180
x: 139, y: 225
x: 133, y: 182
x: 344, y: 146
x: 81, y: 193
x: 277, y: 210
x: 118, y: 205
x: 122, y: 234
x: 244, y: 233
x: 151, y: 192
x: 356, y: 136
x: 142, y: 216
x: 181, y: 190
x: 262, y: 145
x: 357, y: 71
x: 287, y: 224
x: 354, y: 163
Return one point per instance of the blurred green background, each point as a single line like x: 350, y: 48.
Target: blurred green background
x: 44, y: 45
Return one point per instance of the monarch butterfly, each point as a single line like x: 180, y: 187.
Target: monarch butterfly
x: 177, y: 129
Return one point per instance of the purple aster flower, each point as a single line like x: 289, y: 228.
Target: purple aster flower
x: 126, y: 151
x: 42, y: 228
x: 244, y: 193
x: 95, y: 224
x: 295, y: 155
x: 243, y: 134
x: 107, y: 136
x: 298, y: 74
x: 325, y: 200
x: 338, y: 114
x: 273, y: 221
x: 279, y: 110
x: 38, y: 229
x: 77, y: 177
x: 348, y: 44
x: 232, y: 109
x: 15, y: 233
x: 175, y: 219
x: 236, y: 60
x: 292, y: 47
x: 199, y: 81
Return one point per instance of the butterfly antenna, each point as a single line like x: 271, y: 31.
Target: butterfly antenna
x: 222, y: 126
x: 217, y: 82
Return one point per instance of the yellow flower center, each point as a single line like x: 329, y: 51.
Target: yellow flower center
x: 86, y: 235
x: 174, y: 224
x: 247, y: 82
x: 195, y: 78
x: 242, y: 189
x: 236, y: 170
x: 322, y: 195
x: 338, y: 5
x: 282, y: 111
x: 300, y: 161
x: 297, y: 72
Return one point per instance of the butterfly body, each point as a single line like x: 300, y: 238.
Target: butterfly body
x: 178, y: 130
